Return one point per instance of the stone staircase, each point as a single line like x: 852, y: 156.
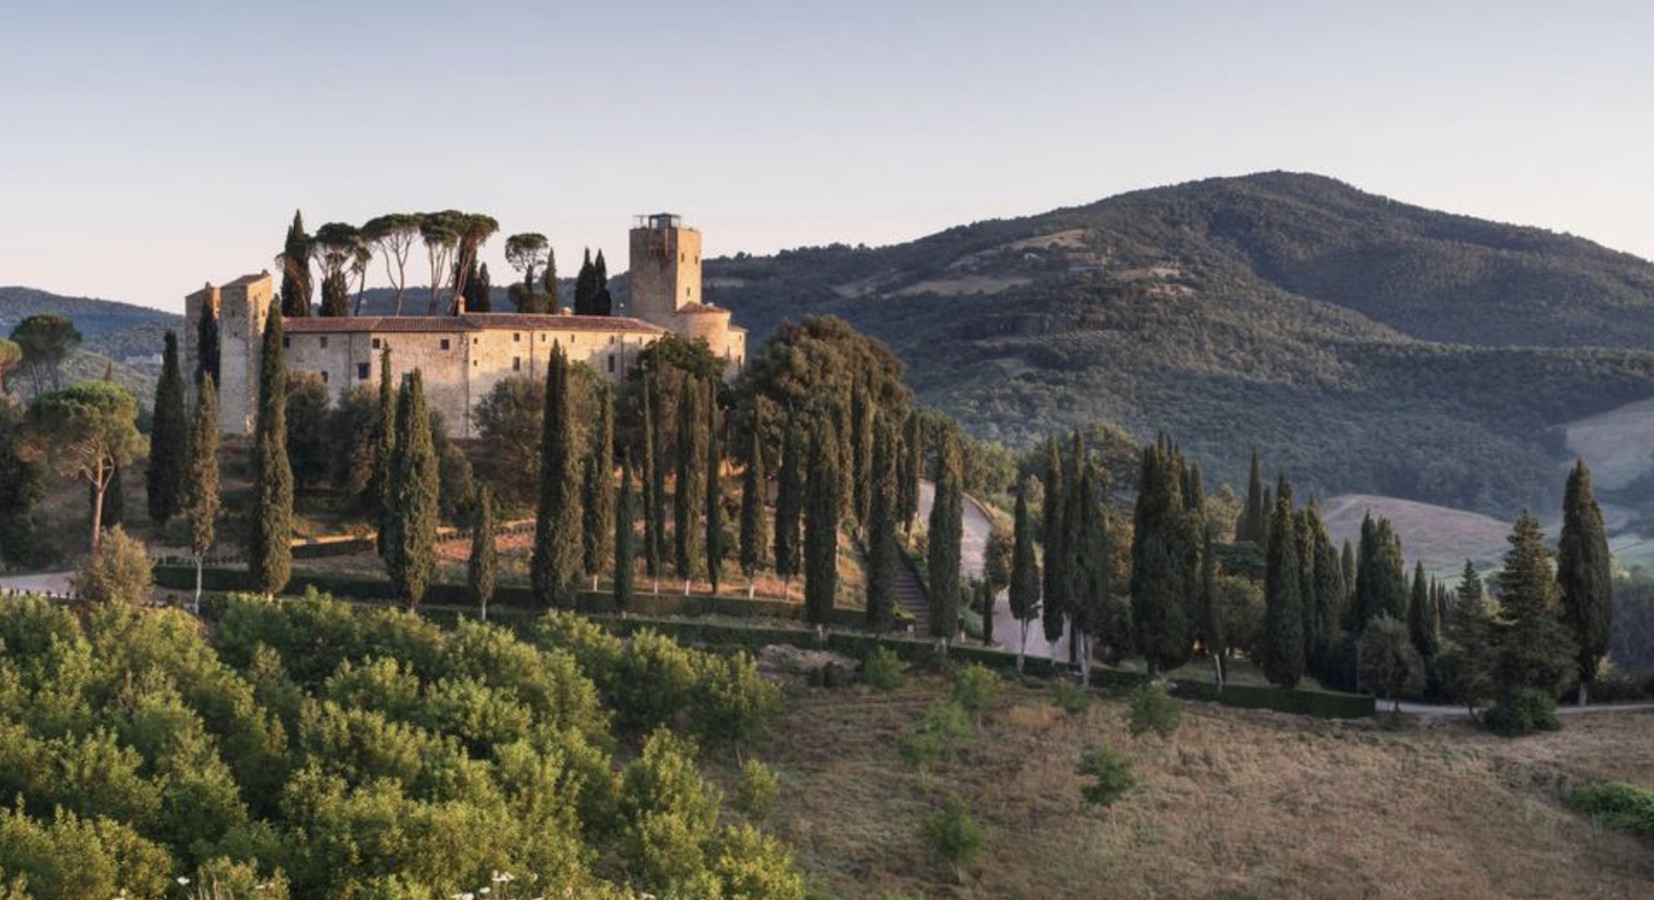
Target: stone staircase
x: 910, y: 596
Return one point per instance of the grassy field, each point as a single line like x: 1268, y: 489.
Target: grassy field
x: 1237, y: 804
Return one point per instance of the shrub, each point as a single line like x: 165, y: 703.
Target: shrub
x: 757, y: 790
x: 952, y: 835
x: 1112, y: 773
x: 119, y: 572
x: 882, y: 669
x: 1070, y: 698
x: 1152, y: 709
x: 975, y: 686
x: 830, y: 676
x: 937, y: 733
x: 1522, y: 711
x: 1620, y: 806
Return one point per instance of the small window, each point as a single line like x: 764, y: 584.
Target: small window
x: 681, y: 257
x: 324, y: 376
x: 516, y: 335
x: 286, y: 341
x: 445, y: 343
x: 611, y: 340
x: 362, y: 371
x: 542, y: 339
x: 686, y: 291
x: 571, y: 340
x: 376, y: 343
x: 516, y: 363
x: 324, y: 342
x: 611, y: 365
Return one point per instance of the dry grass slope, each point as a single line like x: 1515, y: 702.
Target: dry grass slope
x: 1238, y: 804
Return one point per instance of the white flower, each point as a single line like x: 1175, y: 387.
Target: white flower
x: 182, y: 880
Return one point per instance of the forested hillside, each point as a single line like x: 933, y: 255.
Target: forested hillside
x: 1367, y: 345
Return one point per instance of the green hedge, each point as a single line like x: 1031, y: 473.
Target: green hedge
x: 181, y: 577
x: 1321, y: 704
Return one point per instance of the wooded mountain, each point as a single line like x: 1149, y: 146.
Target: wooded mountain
x: 1368, y: 345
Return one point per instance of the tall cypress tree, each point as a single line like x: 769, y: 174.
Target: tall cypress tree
x: 789, y: 503
x: 597, y: 493
x: 480, y: 291
x: 168, y: 439
x: 410, y: 556
x: 335, y: 295
x: 653, y: 486
x: 755, y: 531
x: 912, y: 471
x: 1309, y: 522
x: 1421, y: 617
x: 861, y: 453
x: 1073, y: 567
x: 269, y: 543
x: 1533, y: 648
x: 1381, y: 579
x: 206, y: 344
x: 1251, y: 526
x: 295, y: 270
x: 200, y: 489
x: 602, y: 300
x: 1329, y: 602
x: 555, y: 562
x: 1091, y: 578
x: 944, y: 534
x: 882, y: 560
x: 714, y: 489
x: 689, y: 497
x: 624, y: 554
x: 1024, y: 594
x: 1584, y: 573
x: 585, y: 287
x: 1282, y: 658
x: 1347, y: 563
x: 482, y: 571
x: 1165, y: 562
x: 822, y: 506
x: 1055, y: 607
x: 1214, y: 635
x: 384, y: 450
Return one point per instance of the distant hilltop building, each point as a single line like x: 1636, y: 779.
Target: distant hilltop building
x: 463, y: 356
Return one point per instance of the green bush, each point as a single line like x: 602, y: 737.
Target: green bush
x: 1618, y: 805
x: 882, y: 669
x: 1111, y: 774
x: 952, y: 835
x: 1522, y: 711
x: 975, y: 687
x: 941, y: 729
x: 757, y: 790
x: 1152, y: 709
x: 831, y: 676
x: 1070, y: 697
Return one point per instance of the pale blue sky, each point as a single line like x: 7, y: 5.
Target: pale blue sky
x: 148, y: 147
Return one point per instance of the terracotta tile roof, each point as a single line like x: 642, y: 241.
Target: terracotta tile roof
x: 692, y: 309
x: 239, y: 282
x: 467, y: 322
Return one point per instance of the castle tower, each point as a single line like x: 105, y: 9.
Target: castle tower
x: 241, y: 307
x: 665, y: 271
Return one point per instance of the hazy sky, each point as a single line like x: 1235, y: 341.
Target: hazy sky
x: 147, y: 147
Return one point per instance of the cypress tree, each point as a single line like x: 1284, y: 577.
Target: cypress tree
x: 883, y: 563
x: 1533, y: 648
x: 1025, y: 575
x: 482, y: 571
x: 1468, y: 654
x: 1329, y: 601
x: 295, y: 270
x: 1055, y: 606
x: 585, y: 287
x: 714, y: 489
x: 557, y: 546
x: 410, y: 556
x: 200, y: 489
x: 1347, y: 563
x: 1584, y: 574
x: 1251, y: 527
x: 653, y: 486
x: 945, y: 532
x: 1073, y: 570
x: 690, y: 494
x: 481, y: 289
x: 912, y: 471
x: 1091, y: 580
x: 269, y: 543
x: 755, y: 532
x: 1309, y: 522
x: 789, y: 503
x: 1282, y: 658
x: 861, y: 452
x: 206, y: 344
x: 1165, y: 562
x: 168, y: 439
x: 1213, y: 632
x: 602, y: 301
x: 548, y: 278
x: 384, y: 450
x: 1381, y: 580
x: 821, y: 523
x: 335, y: 295
x: 1421, y: 618
x: 624, y: 553
x: 597, y: 493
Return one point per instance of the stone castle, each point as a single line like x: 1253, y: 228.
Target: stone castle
x: 462, y: 357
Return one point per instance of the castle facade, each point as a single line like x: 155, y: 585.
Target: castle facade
x: 462, y: 357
